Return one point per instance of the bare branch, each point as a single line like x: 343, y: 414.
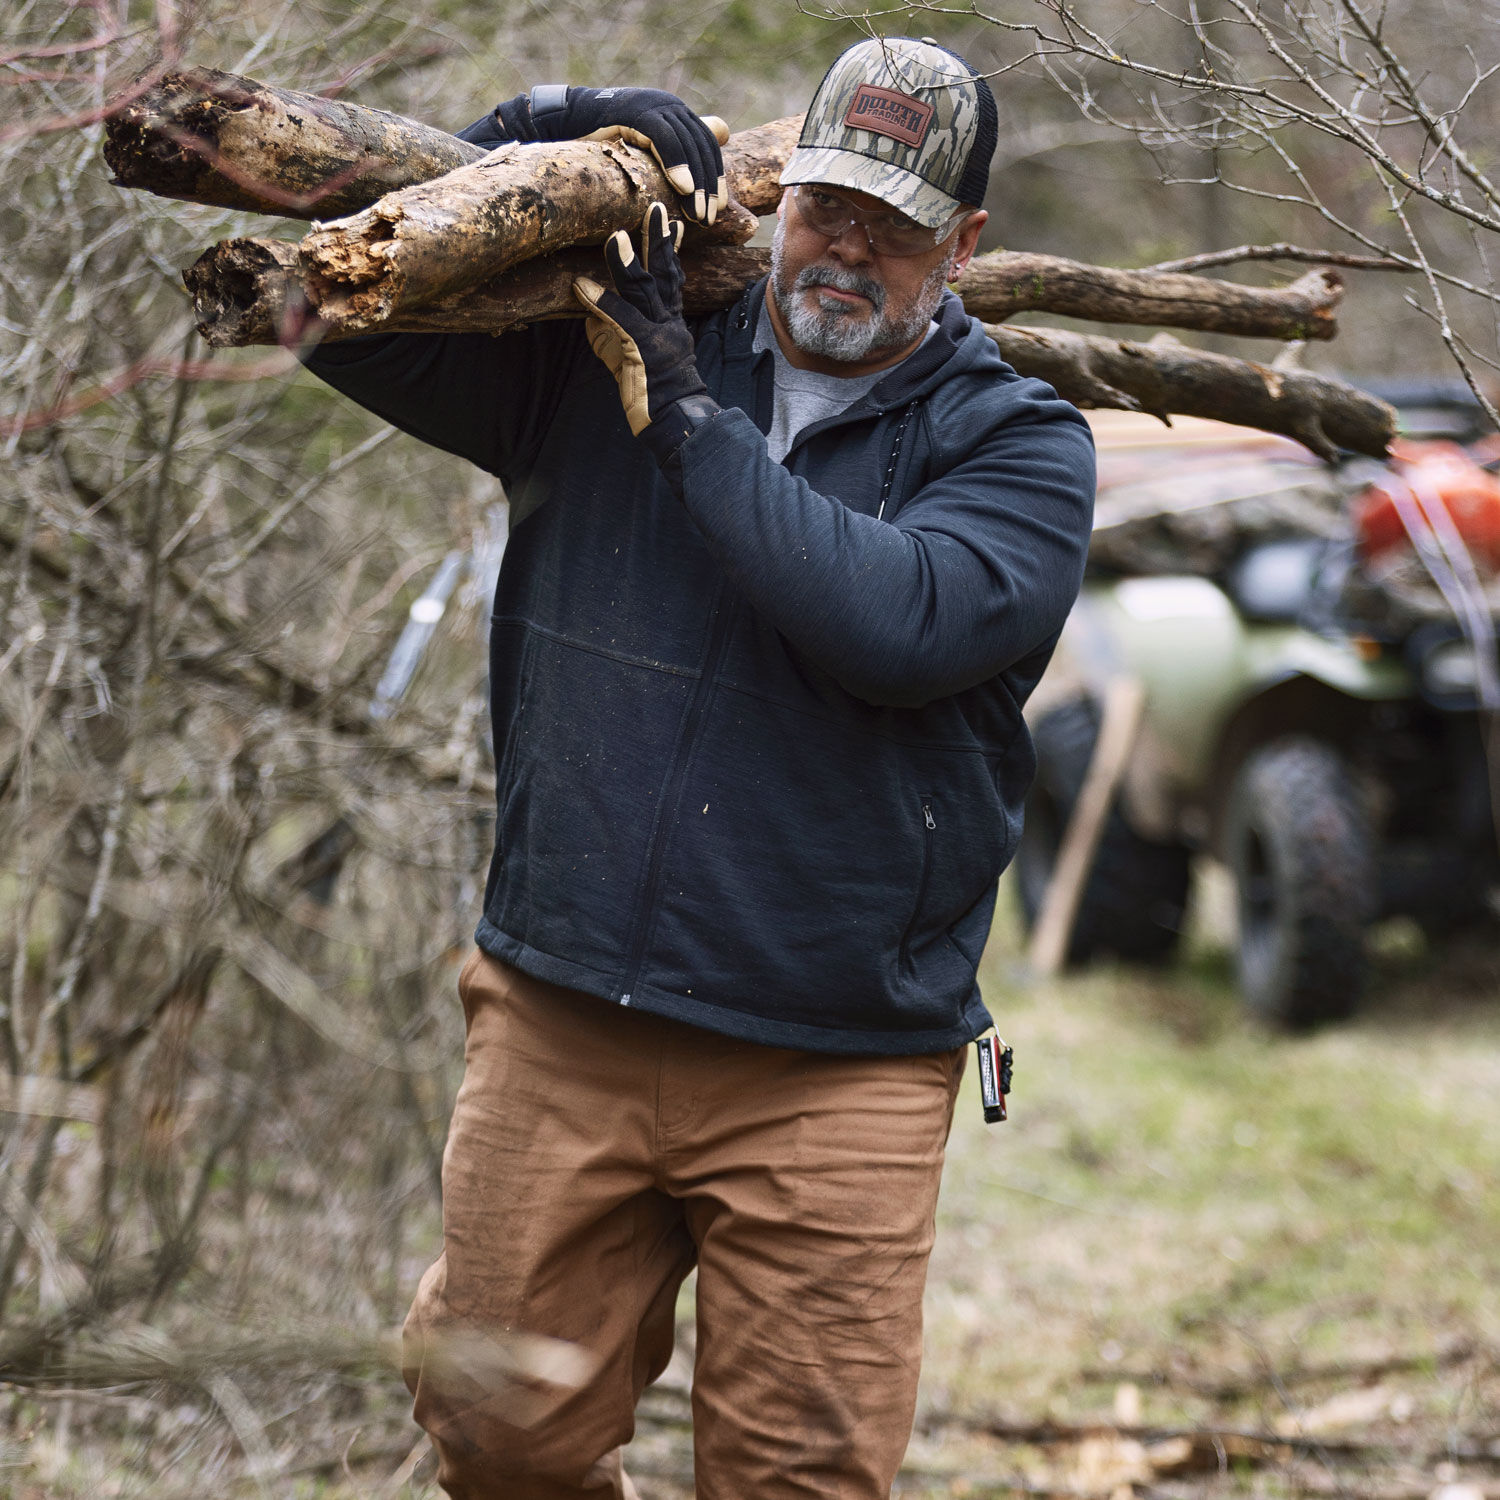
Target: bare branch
x: 1281, y: 251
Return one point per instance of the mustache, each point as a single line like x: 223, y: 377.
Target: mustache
x: 843, y: 279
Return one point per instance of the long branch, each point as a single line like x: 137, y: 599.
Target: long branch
x: 1000, y: 285
x: 233, y: 142
x: 1281, y: 250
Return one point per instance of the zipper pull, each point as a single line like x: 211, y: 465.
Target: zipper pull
x: 927, y: 817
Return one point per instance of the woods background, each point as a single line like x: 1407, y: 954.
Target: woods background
x: 241, y: 856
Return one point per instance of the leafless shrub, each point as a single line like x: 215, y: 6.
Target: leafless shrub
x: 232, y: 893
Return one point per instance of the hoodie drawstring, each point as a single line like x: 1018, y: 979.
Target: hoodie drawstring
x: 890, y: 470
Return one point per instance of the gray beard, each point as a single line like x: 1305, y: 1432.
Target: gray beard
x: 835, y: 331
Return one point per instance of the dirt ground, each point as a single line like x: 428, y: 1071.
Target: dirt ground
x: 1198, y: 1259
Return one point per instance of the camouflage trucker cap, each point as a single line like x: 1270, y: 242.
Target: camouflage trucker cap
x: 906, y: 121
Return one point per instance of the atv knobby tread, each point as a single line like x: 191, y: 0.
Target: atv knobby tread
x: 1304, y: 962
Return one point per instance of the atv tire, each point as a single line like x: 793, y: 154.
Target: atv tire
x: 1133, y: 903
x: 1298, y: 842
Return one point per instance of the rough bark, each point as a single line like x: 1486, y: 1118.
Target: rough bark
x: 1164, y: 377
x: 233, y: 142
x: 437, y: 238
x: 217, y: 138
x: 251, y: 292
x: 996, y: 287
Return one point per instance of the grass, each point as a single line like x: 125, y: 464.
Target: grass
x: 1182, y: 1201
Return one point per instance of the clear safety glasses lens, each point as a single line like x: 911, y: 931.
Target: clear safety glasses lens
x: 830, y: 214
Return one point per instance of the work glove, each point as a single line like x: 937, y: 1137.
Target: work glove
x: 687, y: 147
x: 638, y: 331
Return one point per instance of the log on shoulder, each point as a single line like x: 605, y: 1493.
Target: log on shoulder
x: 234, y: 142
x: 1164, y: 378
x: 222, y: 139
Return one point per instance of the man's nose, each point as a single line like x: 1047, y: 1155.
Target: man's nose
x: 852, y: 243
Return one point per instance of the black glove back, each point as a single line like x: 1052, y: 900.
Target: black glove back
x: 637, y: 329
x: 686, y: 146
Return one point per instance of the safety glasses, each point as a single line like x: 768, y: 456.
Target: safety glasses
x: 830, y: 213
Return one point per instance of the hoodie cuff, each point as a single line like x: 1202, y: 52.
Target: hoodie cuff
x: 666, y: 435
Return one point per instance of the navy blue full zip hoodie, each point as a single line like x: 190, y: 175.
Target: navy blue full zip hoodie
x: 760, y: 754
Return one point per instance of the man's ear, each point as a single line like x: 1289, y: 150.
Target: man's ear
x: 781, y: 202
x: 968, y: 240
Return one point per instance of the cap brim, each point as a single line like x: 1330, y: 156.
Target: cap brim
x: 903, y: 190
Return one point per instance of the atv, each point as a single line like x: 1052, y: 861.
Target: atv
x: 1316, y: 650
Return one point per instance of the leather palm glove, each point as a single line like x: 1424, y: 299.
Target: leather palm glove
x: 638, y: 331
x: 686, y: 146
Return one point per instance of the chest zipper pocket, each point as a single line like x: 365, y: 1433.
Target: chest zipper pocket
x: 929, y: 834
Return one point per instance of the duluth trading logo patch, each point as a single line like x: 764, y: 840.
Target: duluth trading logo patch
x: 885, y: 112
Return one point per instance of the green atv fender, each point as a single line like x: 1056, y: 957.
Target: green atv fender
x: 1201, y: 663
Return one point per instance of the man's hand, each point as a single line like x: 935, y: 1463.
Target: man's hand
x: 686, y: 146
x: 637, y: 329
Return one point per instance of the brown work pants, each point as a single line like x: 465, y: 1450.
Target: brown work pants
x: 596, y: 1155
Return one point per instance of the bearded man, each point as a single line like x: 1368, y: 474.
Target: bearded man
x: 778, y: 585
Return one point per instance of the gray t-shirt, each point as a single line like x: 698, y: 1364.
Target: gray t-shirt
x: 804, y: 396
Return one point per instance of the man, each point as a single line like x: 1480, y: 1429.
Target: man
x: 774, y: 597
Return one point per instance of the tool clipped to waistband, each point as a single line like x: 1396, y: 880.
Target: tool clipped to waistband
x: 995, y: 1059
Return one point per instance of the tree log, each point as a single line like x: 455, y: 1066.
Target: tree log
x: 442, y: 252
x: 1164, y: 377
x: 250, y: 292
x: 441, y: 237
x: 232, y: 142
x: 996, y: 287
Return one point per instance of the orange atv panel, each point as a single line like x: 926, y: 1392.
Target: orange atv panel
x: 1439, y: 475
